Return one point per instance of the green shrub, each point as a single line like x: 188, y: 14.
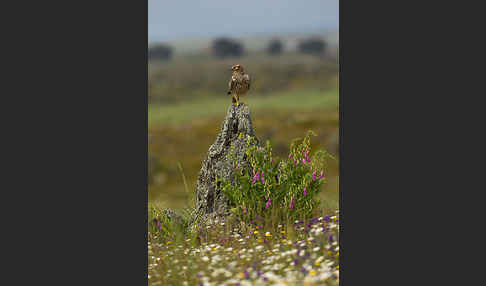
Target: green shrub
x: 284, y: 189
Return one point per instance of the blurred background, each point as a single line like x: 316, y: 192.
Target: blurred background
x: 289, y: 48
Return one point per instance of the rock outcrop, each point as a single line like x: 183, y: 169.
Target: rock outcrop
x: 236, y: 130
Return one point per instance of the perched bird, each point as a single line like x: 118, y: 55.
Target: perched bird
x: 239, y: 83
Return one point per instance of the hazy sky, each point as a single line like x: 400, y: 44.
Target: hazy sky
x: 185, y: 19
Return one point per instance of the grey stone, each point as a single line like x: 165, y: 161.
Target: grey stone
x: 236, y: 130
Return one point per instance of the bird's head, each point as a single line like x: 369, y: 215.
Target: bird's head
x: 237, y: 68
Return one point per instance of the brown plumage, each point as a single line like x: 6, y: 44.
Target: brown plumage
x: 239, y: 83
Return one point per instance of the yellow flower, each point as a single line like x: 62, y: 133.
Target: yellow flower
x: 317, y: 263
x: 260, y: 240
x: 268, y: 234
x: 214, y: 248
x: 337, y: 267
x: 282, y: 231
x: 337, y: 254
x: 169, y: 242
x: 313, y: 272
x: 242, y: 275
x: 255, y: 232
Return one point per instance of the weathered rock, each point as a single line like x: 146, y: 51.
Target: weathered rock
x: 170, y: 215
x: 174, y: 217
x: 236, y: 130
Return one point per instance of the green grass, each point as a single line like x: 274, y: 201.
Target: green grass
x: 264, y: 252
x: 281, y: 117
x: 217, y: 106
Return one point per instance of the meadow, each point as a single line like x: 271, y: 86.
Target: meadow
x: 290, y: 95
x: 298, y: 253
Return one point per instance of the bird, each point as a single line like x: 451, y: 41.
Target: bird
x: 239, y: 83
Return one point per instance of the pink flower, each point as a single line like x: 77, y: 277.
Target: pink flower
x: 263, y: 177
x: 314, y: 176
x: 290, y: 156
x: 291, y: 206
x: 305, y: 191
x: 322, y: 175
x: 268, y: 204
x: 255, y: 178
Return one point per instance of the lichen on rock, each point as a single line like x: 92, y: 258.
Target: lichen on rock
x: 234, y: 137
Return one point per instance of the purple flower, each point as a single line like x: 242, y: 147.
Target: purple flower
x: 295, y: 161
x: 255, y: 178
x: 244, y: 210
x: 269, y: 203
x: 246, y: 275
x: 260, y: 227
x: 296, y: 261
x: 290, y: 156
x: 330, y: 238
x: 326, y: 218
x: 305, y: 191
x: 263, y: 177
x: 291, y: 206
x: 314, y: 220
x: 314, y: 176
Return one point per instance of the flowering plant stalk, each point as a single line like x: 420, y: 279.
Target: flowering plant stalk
x: 287, y: 188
